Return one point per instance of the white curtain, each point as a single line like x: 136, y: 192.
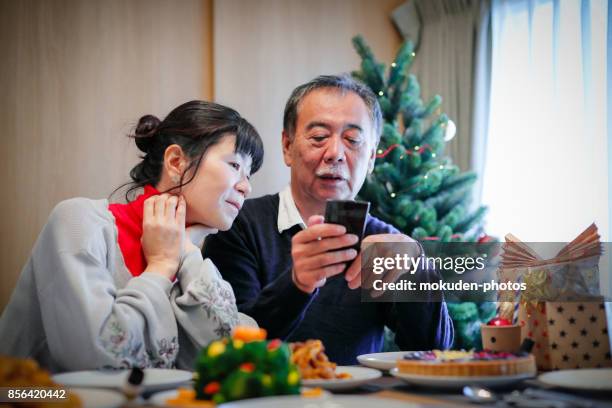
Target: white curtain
x: 546, y: 164
x: 481, y: 99
x: 445, y: 65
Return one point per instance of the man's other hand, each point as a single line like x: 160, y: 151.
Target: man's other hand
x: 353, y: 274
x: 319, y: 252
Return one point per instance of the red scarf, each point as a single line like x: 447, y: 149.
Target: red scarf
x: 128, y: 218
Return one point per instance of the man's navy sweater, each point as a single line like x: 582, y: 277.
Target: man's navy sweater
x: 256, y: 260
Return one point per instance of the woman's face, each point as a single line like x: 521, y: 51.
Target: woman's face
x: 220, y: 186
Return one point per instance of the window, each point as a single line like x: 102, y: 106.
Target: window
x: 546, y: 164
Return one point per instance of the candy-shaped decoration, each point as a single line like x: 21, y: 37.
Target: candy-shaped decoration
x: 247, y: 333
x: 499, y: 321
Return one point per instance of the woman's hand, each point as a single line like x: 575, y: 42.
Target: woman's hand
x: 163, y: 233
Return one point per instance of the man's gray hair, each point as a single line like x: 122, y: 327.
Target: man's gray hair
x: 343, y: 83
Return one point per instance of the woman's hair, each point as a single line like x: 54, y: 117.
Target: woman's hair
x: 194, y: 126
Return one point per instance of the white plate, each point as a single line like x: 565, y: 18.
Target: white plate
x: 336, y: 401
x: 94, y: 398
x: 456, y: 382
x: 596, y: 379
x: 381, y: 361
x: 359, y: 376
x: 155, y: 379
x: 159, y: 399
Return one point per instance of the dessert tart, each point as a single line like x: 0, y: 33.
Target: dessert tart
x: 453, y: 363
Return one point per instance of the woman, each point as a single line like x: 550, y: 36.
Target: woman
x: 124, y: 285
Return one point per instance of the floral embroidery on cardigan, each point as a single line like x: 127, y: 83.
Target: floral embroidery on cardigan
x: 218, y: 301
x: 167, y: 350
x: 128, y: 351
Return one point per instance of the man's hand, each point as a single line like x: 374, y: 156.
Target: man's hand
x: 317, y: 254
x: 353, y: 274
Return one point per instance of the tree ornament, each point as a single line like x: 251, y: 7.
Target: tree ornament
x: 450, y: 131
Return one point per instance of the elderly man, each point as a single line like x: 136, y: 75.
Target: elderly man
x: 289, y: 275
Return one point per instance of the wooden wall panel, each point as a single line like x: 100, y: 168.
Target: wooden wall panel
x: 263, y: 49
x: 75, y: 77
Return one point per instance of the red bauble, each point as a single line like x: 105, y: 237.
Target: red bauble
x: 484, y: 238
x: 499, y: 321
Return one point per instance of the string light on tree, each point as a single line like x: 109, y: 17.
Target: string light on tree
x: 380, y: 154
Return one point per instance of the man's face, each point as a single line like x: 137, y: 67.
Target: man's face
x: 333, y: 146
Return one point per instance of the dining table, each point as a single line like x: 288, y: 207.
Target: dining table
x: 526, y: 393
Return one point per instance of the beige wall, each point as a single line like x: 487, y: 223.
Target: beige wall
x: 75, y: 76
x: 264, y: 49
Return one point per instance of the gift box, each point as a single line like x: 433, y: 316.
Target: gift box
x: 568, y: 282
x: 578, y: 334
x: 533, y: 322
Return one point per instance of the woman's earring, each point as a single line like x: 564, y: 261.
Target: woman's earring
x: 175, y: 179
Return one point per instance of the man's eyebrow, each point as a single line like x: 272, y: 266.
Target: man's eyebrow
x: 313, y: 125
x: 353, y: 126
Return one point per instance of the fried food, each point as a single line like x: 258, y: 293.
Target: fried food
x: 313, y: 363
x: 26, y: 373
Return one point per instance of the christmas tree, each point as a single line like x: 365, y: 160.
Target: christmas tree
x: 414, y: 185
